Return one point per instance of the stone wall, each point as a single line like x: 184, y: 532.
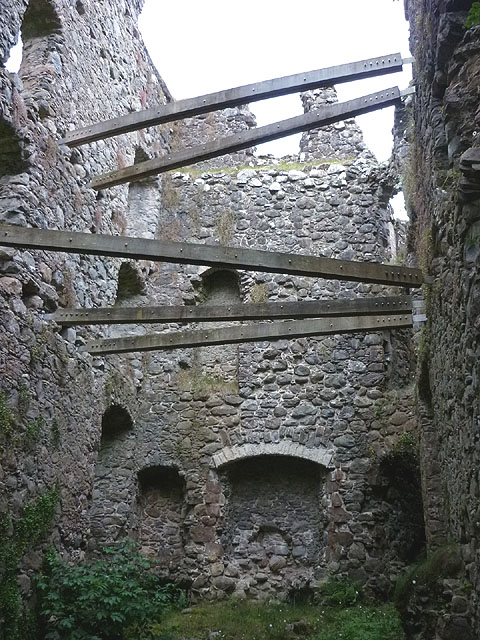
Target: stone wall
x: 445, y: 208
x: 215, y: 414
x: 160, y: 446
x: 83, y: 61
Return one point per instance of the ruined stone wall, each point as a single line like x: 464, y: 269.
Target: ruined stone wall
x: 82, y: 61
x: 190, y: 451
x: 442, y: 194
x: 325, y: 411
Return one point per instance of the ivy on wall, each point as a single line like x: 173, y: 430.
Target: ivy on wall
x: 473, y: 15
x: 33, y: 523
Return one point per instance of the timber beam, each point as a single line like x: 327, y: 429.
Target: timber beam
x: 208, y: 255
x: 234, y: 312
x: 247, y: 333
x: 161, y: 114
x: 312, y: 120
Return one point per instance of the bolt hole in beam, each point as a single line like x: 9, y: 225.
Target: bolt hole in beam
x: 390, y: 63
x: 323, y: 116
x: 209, y: 255
x: 235, y: 312
x: 247, y: 333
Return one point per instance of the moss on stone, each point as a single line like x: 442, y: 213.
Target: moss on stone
x: 6, y: 419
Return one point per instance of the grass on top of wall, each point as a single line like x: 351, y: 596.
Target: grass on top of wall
x: 239, y: 620
x: 279, y: 167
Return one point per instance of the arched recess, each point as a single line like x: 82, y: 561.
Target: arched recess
x: 114, y: 483
x: 130, y: 282
x: 12, y: 156
x: 160, y: 514
x: 219, y: 287
x: 397, y: 495
x: 41, y: 60
x: 274, y: 523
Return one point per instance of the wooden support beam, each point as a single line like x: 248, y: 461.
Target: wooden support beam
x: 243, y: 140
x: 247, y: 333
x: 234, y: 312
x: 208, y: 255
x: 249, y: 93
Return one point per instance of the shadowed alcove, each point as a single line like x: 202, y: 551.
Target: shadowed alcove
x: 274, y: 521
x: 160, y: 507
x: 110, y: 511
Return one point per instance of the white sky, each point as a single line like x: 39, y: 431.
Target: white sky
x: 201, y: 47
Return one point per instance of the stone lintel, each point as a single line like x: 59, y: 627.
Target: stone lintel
x: 319, y: 455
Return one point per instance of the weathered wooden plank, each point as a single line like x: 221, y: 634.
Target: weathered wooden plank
x: 161, y: 114
x: 247, y: 333
x: 235, y: 312
x: 208, y: 255
x: 245, y: 139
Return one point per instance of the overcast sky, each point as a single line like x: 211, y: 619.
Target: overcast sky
x: 201, y: 47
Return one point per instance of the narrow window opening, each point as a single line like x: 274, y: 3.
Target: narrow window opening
x: 41, y: 59
x: 130, y: 282
x: 161, y: 505
x: 15, y: 56
x: 12, y: 156
x: 109, y: 517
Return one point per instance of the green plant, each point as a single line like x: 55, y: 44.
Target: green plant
x: 339, y: 593
x: 259, y: 293
x: 112, y: 598
x: 16, y: 621
x: 33, y: 429
x: 362, y: 623
x: 38, y: 348
x: 240, y: 620
x: 55, y: 432
x: 225, y: 226
x: 473, y: 15
x: 169, y: 192
x: 6, y: 419
x: 23, y: 400
x: 445, y: 562
x: 195, y: 379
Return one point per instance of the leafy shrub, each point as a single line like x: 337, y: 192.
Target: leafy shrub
x: 107, y: 599
x: 340, y: 593
x: 473, y: 15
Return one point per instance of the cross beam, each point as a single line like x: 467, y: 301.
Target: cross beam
x: 248, y: 333
x: 390, y: 63
x: 208, y: 255
x: 312, y: 120
x: 235, y: 312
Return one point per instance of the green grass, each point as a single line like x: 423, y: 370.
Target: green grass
x: 260, y: 621
x: 280, y: 166
x: 443, y: 563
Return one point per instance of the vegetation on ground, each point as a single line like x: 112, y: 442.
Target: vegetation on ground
x: 115, y: 597
x: 338, y: 611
